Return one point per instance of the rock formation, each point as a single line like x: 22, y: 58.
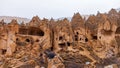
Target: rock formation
x: 79, y: 43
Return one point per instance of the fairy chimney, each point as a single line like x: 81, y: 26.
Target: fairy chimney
x: 78, y: 27
x: 77, y: 21
x: 11, y: 31
x: 113, y: 12
x: 62, y: 35
x: 91, y: 25
x: 35, y: 21
x: 106, y: 38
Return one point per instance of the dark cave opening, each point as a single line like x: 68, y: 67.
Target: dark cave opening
x: 94, y: 37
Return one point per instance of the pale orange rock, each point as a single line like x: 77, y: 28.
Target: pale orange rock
x: 42, y: 43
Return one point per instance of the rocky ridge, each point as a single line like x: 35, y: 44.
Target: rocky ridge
x: 79, y: 43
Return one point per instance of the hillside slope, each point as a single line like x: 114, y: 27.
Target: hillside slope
x: 7, y: 19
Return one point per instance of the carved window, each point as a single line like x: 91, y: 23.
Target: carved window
x: 86, y: 39
x: 76, y: 37
x: 60, y: 38
x: 94, y: 37
x: 27, y: 40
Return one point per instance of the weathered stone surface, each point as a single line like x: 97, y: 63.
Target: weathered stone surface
x: 79, y: 43
x: 63, y: 36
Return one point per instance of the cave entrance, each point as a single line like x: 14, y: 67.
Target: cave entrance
x: 31, y: 31
x: 106, y: 32
x: 76, y: 37
x: 35, y: 31
x: 27, y: 40
x: 60, y: 38
x: 3, y: 51
x: 23, y: 30
x: 117, y: 31
x: 86, y: 39
x: 62, y: 45
x: 94, y: 37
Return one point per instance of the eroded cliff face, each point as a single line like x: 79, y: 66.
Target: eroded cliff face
x: 79, y: 43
